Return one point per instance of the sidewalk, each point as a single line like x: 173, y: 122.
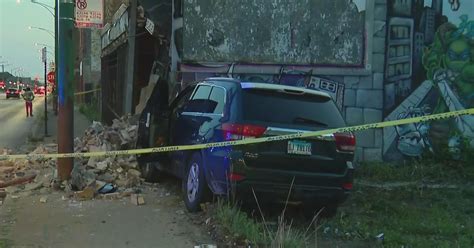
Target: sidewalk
x: 81, y: 123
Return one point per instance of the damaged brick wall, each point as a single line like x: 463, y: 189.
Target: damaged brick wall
x: 301, y: 32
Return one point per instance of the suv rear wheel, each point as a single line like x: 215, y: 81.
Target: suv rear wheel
x: 195, y: 190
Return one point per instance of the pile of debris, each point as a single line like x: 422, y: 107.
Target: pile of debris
x: 114, y: 172
x: 90, y: 176
x: 37, y: 172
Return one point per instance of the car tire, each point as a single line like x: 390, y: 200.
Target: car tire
x: 149, y: 172
x: 195, y: 189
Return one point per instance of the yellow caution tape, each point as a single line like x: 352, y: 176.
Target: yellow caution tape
x: 245, y: 141
x: 86, y: 92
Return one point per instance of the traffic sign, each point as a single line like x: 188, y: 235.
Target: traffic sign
x: 51, y: 77
x: 89, y: 13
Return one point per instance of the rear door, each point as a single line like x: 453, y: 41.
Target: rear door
x: 282, y: 113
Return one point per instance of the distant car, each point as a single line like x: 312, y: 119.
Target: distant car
x: 13, y: 92
x: 40, y: 90
x: 222, y: 109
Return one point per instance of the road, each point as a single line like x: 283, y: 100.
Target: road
x: 14, y: 125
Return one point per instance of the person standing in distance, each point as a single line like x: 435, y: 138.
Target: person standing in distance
x: 28, y: 96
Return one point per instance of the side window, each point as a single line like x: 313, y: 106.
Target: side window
x: 202, y: 92
x: 217, y: 97
x: 199, y: 102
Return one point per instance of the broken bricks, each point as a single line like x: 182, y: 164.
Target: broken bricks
x: 137, y: 199
x: 101, y: 170
x: 86, y: 194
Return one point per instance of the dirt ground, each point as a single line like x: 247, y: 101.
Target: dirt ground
x: 66, y: 222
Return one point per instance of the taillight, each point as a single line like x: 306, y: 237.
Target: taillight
x: 347, y: 186
x: 233, y: 131
x: 234, y: 177
x: 345, y: 142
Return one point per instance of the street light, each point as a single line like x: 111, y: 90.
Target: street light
x: 44, y: 45
x: 40, y: 50
x: 49, y: 8
x: 43, y: 29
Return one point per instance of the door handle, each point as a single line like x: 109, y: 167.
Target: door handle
x: 147, y: 124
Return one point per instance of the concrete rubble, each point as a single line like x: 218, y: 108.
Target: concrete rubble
x: 90, y: 176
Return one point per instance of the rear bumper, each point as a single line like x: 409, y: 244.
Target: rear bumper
x: 270, y: 192
x: 275, y: 185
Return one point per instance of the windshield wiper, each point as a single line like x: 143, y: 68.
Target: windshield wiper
x: 309, y: 121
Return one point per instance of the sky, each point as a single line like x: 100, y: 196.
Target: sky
x: 17, y: 42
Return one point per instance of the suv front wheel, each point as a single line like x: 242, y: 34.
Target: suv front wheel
x: 149, y: 172
x: 195, y: 190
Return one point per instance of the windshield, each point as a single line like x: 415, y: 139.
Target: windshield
x: 283, y: 108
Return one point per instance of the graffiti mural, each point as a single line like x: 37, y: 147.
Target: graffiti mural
x: 284, y: 76
x: 379, y: 60
x: 413, y: 138
x: 443, y: 81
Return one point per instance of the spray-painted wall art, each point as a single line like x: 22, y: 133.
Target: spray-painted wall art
x: 441, y: 61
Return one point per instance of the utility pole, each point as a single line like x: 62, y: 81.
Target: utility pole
x: 45, y: 61
x: 130, y: 76
x: 65, y: 80
x: 54, y: 91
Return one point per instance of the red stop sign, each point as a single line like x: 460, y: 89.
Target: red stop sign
x: 51, y: 77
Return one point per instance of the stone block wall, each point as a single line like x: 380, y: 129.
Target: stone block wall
x: 363, y: 96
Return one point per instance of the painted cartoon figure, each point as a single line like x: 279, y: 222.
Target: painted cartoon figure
x: 449, y: 63
x: 413, y: 138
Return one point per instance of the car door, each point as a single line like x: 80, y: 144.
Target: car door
x: 216, y: 162
x: 191, y: 123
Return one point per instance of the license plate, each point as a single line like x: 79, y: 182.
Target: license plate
x: 299, y: 147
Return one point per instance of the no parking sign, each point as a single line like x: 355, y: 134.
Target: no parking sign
x: 89, y: 13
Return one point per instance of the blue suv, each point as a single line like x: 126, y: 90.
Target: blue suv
x: 318, y: 170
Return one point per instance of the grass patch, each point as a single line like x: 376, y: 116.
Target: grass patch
x: 409, y: 216
x: 421, y: 170
x: 90, y: 111
x: 5, y: 243
x: 247, y: 230
x: 239, y: 224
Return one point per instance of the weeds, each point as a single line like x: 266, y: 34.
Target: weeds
x: 90, y: 111
x: 408, y: 216
x: 261, y: 234
x: 417, y: 170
